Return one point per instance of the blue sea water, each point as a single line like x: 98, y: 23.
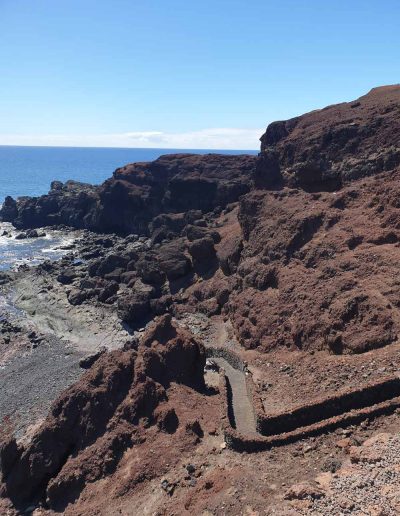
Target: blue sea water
x: 30, y: 170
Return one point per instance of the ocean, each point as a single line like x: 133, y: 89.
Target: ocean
x: 30, y: 170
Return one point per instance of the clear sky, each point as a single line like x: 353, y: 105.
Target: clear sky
x: 184, y: 73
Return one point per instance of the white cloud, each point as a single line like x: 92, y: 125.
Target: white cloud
x: 217, y: 138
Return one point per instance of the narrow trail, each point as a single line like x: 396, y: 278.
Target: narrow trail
x: 241, y: 404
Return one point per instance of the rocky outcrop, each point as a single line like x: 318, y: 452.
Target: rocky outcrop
x: 295, y: 250
x: 310, y: 259
x: 317, y: 269
x: 182, y: 185
x: 72, y: 204
x: 324, y: 149
x: 96, y: 420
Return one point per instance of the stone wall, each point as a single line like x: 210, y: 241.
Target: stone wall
x: 346, y: 407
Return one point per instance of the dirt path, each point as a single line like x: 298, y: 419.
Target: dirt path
x: 241, y: 404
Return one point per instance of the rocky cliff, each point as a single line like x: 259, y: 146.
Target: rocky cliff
x: 93, y: 424
x: 296, y: 251
x: 327, y: 148
x: 127, y: 202
x: 308, y: 257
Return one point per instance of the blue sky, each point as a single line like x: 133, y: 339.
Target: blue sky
x: 184, y: 73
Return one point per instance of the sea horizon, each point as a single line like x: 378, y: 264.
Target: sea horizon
x: 29, y: 170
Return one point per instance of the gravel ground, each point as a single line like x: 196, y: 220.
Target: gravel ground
x: 31, y: 381
x: 368, y: 485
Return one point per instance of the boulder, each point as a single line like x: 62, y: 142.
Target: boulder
x: 67, y: 276
x: 148, y: 268
x: 173, y: 261
x: 197, y: 232
x: 203, y: 252
x: 108, y: 264
x: 134, y: 305
x: 229, y: 254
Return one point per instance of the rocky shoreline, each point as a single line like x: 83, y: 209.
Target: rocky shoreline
x: 289, y: 258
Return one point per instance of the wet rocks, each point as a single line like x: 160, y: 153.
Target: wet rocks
x: 9, y: 210
x: 30, y: 233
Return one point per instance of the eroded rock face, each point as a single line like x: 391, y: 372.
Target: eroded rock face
x: 311, y: 260
x: 70, y: 203
x: 326, y: 148
x: 305, y: 259
x: 186, y: 184
x: 318, y: 271
x: 94, y: 422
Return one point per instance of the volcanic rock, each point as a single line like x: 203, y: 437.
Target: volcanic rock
x: 139, y: 193
x: 97, y: 419
x: 326, y: 148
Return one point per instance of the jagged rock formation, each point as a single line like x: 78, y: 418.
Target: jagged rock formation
x: 137, y: 193
x: 94, y: 422
x: 298, y: 248
x: 311, y: 263
x: 329, y: 147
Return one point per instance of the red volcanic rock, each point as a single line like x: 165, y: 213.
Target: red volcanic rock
x: 229, y: 254
x: 203, y: 253
x: 329, y: 147
x: 96, y: 420
x: 319, y: 270
x: 139, y: 193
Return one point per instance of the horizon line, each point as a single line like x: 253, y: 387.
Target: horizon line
x: 126, y: 148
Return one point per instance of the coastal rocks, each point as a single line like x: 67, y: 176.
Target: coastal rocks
x: 4, y: 278
x: 140, y: 194
x: 68, y: 204
x: 149, y: 270
x: 107, y: 412
x: 67, y: 276
x: 197, y: 232
x: 294, y: 266
x: 134, y: 305
x: 103, y: 290
x: 31, y: 233
x: 203, y: 253
x: 172, y: 260
x: 324, y: 149
x: 167, y: 226
x: 108, y: 264
x: 9, y: 210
